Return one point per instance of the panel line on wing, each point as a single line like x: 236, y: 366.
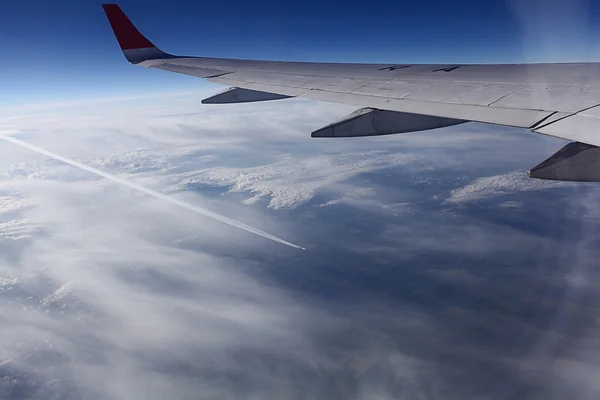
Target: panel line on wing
x: 506, y: 95
x: 541, y: 121
x: 566, y: 115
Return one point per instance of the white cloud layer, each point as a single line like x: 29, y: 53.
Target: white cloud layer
x: 296, y: 179
x: 505, y: 184
x: 107, y: 294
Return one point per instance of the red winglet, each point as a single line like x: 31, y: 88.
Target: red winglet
x: 128, y: 36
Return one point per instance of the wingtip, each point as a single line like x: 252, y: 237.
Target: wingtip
x: 111, y: 7
x: 127, y: 34
x: 135, y: 46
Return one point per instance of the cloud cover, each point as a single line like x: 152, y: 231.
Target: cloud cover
x: 405, y: 291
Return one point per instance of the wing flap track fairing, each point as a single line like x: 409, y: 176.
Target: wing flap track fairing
x: 576, y: 161
x: 374, y: 122
x: 240, y: 95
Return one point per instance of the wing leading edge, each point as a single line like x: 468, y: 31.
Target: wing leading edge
x: 561, y: 100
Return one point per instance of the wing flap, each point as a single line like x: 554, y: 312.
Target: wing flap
x: 500, y: 116
x: 199, y: 72
x: 284, y: 90
x: 460, y: 93
x: 583, y: 126
x: 558, y: 98
x: 338, y: 84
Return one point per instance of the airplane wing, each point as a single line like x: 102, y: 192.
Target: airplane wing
x: 561, y: 100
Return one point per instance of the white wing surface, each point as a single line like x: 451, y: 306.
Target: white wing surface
x: 561, y: 100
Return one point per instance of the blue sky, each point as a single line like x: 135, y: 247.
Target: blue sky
x: 64, y: 50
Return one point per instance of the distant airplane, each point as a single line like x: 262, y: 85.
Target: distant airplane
x: 561, y: 100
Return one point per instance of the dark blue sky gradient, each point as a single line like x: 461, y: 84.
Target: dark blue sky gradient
x: 64, y: 50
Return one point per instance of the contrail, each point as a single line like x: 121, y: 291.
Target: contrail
x: 151, y: 192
